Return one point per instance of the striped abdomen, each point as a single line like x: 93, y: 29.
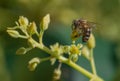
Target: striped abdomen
x: 86, y: 34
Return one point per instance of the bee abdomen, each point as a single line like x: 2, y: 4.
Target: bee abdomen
x: 86, y: 35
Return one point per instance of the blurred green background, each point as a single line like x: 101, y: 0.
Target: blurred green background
x: 107, y: 52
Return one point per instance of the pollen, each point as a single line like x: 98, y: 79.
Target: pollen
x: 74, y: 50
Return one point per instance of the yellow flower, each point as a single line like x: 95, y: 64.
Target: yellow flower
x: 75, y: 49
x: 74, y: 52
x: 57, y: 49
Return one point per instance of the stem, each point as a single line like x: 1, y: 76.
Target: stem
x: 72, y: 64
x: 92, y: 62
x: 45, y: 59
x: 22, y: 36
x: 37, y: 33
x: 77, y: 67
x: 24, y: 31
x: 41, y: 36
x: 80, y: 69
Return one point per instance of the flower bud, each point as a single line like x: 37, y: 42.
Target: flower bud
x: 57, y: 74
x: 91, y: 42
x: 13, y: 33
x: 45, y: 22
x: 33, y: 63
x: 75, y: 58
x: 32, y: 29
x: 66, y: 49
x: 79, y: 46
x: 23, y: 21
x: 21, y: 50
x: 86, y: 52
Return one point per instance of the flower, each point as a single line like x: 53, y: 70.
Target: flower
x: 23, y: 21
x: 33, y: 63
x: 57, y: 49
x: 75, y: 49
x: 74, y: 52
x: 57, y: 74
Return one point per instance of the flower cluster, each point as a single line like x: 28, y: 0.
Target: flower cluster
x: 25, y: 30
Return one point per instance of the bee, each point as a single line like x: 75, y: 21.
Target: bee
x: 82, y: 27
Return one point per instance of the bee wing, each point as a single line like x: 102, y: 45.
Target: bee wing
x: 92, y: 24
x: 96, y: 27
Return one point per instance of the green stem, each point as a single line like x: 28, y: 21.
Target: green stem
x: 92, y: 62
x: 45, y: 59
x: 41, y: 36
x: 75, y: 66
x: 37, y: 33
x: 22, y: 36
x: 80, y: 69
x: 72, y: 64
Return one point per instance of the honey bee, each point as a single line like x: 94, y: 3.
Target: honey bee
x: 82, y: 27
